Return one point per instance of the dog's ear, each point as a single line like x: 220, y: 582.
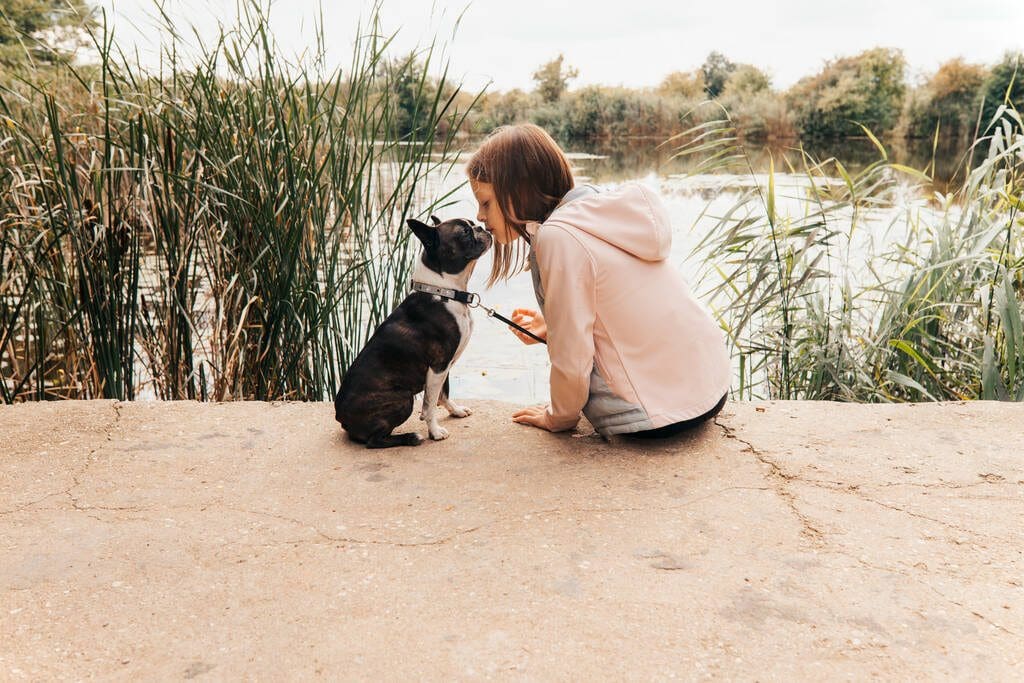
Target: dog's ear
x: 426, y: 234
x: 435, y: 220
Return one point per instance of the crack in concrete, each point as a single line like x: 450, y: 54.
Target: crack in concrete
x: 76, y: 475
x: 347, y: 539
x: 445, y: 539
x: 108, y: 430
x: 951, y: 484
x: 77, y: 506
x: 896, y: 508
x: 25, y: 506
x: 932, y: 588
x: 776, y: 471
x: 808, y: 530
x: 663, y: 508
x: 855, y: 491
x: 398, y: 544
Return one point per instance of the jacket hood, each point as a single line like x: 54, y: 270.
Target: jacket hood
x: 630, y: 217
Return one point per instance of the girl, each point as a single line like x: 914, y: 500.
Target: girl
x: 630, y: 347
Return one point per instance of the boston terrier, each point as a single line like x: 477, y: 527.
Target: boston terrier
x: 416, y: 346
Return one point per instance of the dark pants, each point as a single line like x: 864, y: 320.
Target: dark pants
x: 679, y: 427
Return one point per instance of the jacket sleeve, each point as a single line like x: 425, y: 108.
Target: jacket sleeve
x: 569, y: 279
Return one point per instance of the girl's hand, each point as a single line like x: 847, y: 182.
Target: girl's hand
x: 531, y: 320
x: 536, y: 416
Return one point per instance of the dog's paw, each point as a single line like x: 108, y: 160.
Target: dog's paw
x: 439, y: 434
x: 459, y: 411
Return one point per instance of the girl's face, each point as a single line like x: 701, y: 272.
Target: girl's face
x: 489, y: 214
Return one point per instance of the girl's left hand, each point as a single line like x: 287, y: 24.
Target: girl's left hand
x: 531, y: 320
x: 536, y: 416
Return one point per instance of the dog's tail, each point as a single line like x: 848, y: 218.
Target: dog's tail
x: 391, y: 440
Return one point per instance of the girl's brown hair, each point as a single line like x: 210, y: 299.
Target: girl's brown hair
x: 530, y: 175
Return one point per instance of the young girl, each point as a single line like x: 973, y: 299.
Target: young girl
x: 630, y: 347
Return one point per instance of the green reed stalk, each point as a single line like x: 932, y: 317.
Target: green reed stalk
x: 908, y: 318
x: 229, y: 229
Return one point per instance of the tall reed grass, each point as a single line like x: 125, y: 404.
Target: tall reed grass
x: 847, y: 286
x: 229, y: 227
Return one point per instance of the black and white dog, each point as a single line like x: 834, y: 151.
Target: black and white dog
x: 415, y: 348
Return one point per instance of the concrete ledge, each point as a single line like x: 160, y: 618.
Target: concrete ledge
x: 809, y: 540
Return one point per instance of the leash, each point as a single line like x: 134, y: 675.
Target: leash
x: 472, y: 300
x: 491, y: 313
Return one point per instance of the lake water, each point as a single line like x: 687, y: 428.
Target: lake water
x: 496, y: 365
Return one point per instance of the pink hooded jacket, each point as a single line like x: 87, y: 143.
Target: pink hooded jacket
x: 629, y: 344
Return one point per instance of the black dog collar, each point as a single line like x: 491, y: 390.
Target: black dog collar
x: 445, y: 292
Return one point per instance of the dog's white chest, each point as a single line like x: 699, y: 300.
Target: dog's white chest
x: 464, y: 319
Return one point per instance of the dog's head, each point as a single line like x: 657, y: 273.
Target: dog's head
x: 451, y: 246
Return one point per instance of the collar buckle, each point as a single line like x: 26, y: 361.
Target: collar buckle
x: 469, y: 298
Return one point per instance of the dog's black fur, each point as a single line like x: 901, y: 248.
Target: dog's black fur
x: 420, y: 335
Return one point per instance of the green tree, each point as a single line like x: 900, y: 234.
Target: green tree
x: 715, y: 71
x: 746, y: 80
x: 1005, y: 84
x: 949, y: 101
x: 756, y: 110
x: 503, y: 108
x: 600, y: 112
x: 553, y: 79
x: 868, y: 89
x: 410, y: 90
x: 43, y: 30
x: 686, y: 84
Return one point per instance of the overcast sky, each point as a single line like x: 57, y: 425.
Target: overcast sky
x: 626, y: 42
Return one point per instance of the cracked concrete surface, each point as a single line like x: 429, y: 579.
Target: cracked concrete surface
x: 808, y: 540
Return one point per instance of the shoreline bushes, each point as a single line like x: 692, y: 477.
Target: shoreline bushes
x: 869, y: 89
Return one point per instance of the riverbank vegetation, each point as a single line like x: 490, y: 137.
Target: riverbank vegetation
x: 230, y: 229
x: 860, y: 290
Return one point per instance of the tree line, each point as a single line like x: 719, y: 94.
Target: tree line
x: 870, y: 89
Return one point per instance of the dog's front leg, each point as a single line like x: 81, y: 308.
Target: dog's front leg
x: 446, y: 401
x: 435, y: 382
